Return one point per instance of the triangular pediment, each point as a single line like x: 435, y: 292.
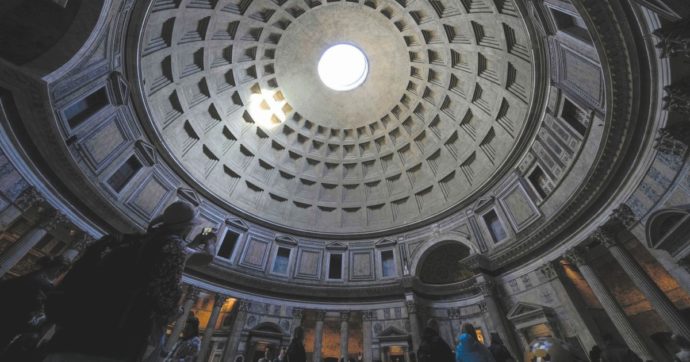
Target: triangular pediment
x: 238, y: 223
x: 522, y: 309
x: 285, y: 239
x: 392, y: 332
x: 385, y: 242
x: 336, y: 246
x: 525, y: 315
x: 189, y: 195
x: 484, y: 202
x: 146, y: 152
x: 120, y: 88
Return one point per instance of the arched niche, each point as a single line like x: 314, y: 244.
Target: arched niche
x: 47, y: 34
x: 440, y: 264
x: 668, y: 230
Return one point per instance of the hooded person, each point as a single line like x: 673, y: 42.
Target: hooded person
x: 469, y: 349
x: 295, y: 351
x: 498, y: 350
x: 136, y: 278
x: 433, y: 348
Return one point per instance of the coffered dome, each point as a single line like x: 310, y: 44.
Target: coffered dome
x: 233, y: 94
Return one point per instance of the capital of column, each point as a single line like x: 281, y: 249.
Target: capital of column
x: 673, y: 39
x: 344, y: 316
x: 487, y: 287
x: 29, y: 198
x: 369, y: 315
x: 297, y: 313
x: 411, y: 306
x: 192, y: 292
x: 673, y: 140
x: 576, y: 256
x: 244, y: 305
x: 320, y: 315
x: 604, y: 237
x: 50, y: 220
x: 220, y: 299
x: 81, y: 241
x: 624, y: 214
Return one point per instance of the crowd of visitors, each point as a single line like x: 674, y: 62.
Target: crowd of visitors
x: 137, y: 280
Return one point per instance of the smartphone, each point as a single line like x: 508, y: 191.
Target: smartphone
x: 206, y: 231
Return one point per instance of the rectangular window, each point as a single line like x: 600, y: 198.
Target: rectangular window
x: 494, y: 225
x: 280, y: 265
x: 539, y: 181
x: 571, y: 25
x: 124, y: 174
x: 79, y: 112
x: 335, y: 266
x: 574, y: 116
x: 387, y: 263
x: 228, y: 245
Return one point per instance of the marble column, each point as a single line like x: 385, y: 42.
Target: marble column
x: 318, y: 335
x: 587, y: 329
x: 18, y: 250
x: 297, y: 315
x: 189, y: 300
x: 497, y: 316
x: 218, y: 302
x: 454, y: 315
x: 235, y: 336
x: 344, y: 334
x: 660, y: 302
x: 415, y: 333
x: 610, y: 305
x: 367, y: 335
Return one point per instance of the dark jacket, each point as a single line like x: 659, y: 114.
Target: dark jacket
x: 134, y: 279
x: 296, y: 353
x: 500, y: 353
x: 433, y: 348
x: 614, y: 352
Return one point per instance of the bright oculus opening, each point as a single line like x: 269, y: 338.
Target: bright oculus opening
x: 343, y: 67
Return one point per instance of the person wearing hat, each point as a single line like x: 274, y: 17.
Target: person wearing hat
x: 120, y: 295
